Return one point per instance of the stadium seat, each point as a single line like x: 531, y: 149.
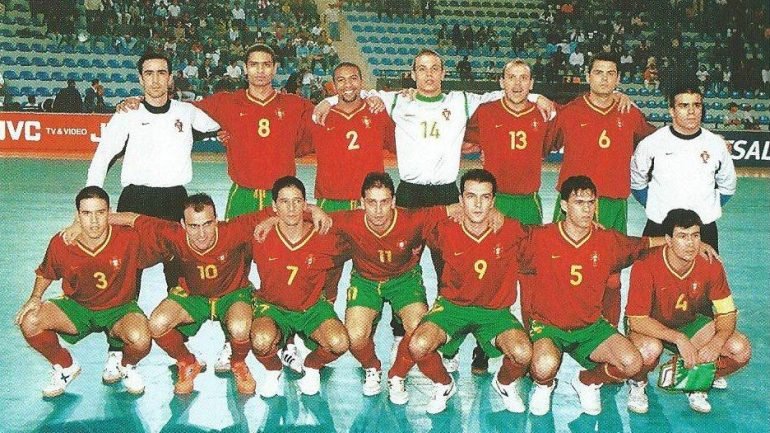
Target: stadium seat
x: 23, y: 61
x: 113, y: 63
x: 88, y: 76
x: 14, y: 91
x: 749, y: 94
x: 38, y: 61
x: 69, y: 63
x: 128, y: 64
x: 631, y: 91
x: 98, y: 50
x: 717, y: 106
x: 97, y: 63
x: 764, y: 120
x: 762, y: 95
x: 53, y: 62
x: 133, y: 78
x: 109, y: 92
x: 735, y: 94
x: 26, y: 75
x: 10, y: 75
x: 667, y: 117
x: 27, y: 90
x: 83, y: 63
x: 711, y: 119
x: 760, y: 107
x: 122, y: 93
x: 136, y: 92
x: 38, y: 47
x: 42, y: 76
x: 102, y: 76
x: 709, y: 94
x: 644, y: 91
x: 7, y: 61
x: 74, y: 76
x: 83, y: 49
x: 58, y: 76
x: 117, y: 78
x: 43, y: 91
x: 21, y: 46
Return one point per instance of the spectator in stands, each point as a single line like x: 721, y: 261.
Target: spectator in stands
x: 749, y: 120
x: 626, y: 66
x: 766, y: 76
x: 703, y: 77
x: 443, y: 36
x: 491, y: 72
x: 464, y: 69
x: 233, y: 71
x: 174, y: 10
x: 191, y: 70
x: 734, y: 118
x: 31, y: 105
x: 576, y: 61
x: 3, y: 92
x: 93, y: 9
x: 183, y: 87
x: 89, y: 100
x: 469, y: 37
x: 457, y: 36
x: 239, y: 15
x: 651, y: 80
x: 68, y: 100
x: 538, y: 70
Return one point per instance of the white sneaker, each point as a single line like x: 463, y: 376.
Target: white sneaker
x: 699, y: 402
x: 719, y: 383
x: 451, y: 364
x: 132, y: 380
x: 223, y: 359
x: 111, y: 373
x: 397, y: 390
x: 271, y: 383
x: 394, y: 348
x: 510, y: 395
x: 60, y: 378
x: 310, y: 383
x: 589, y: 395
x: 441, y: 394
x: 637, y: 397
x: 540, y: 402
x: 372, y: 382
x: 290, y: 358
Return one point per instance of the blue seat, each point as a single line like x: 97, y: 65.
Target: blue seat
x: 136, y: 91
x: 709, y: 94
x: 644, y: 91
x: 749, y: 94
x: 97, y: 63
x: 38, y: 61
x: 113, y: 63
x: 128, y: 64
x: 67, y: 49
x: 27, y: 90
x: 735, y: 94
x: 631, y: 91
x: 134, y: 78
x: 98, y: 50
x: 88, y: 76
x: 23, y: 61
x: 374, y: 61
x: 83, y: 49
x: 103, y: 76
x: 43, y: 91
x: 366, y: 49
x: 711, y: 119
x: 117, y: 78
x: 667, y: 117
x: 14, y: 91
x: 42, y: 76
x: 38, y: 47
x: 764, y: 120
x: 53, y: 62
x: 109, y: 92
x: 11, y: 75
x: 760, y: 107
x: 26, y: 75
x: 7, y: 61
x: 21, y: 46
x: 69, y: 63
x: 651, y: 103
x: 74, y: 76
x: 7, y: 46
x: 58, y: 76
x: 762, y: 95
x: 717, y: 105
x: 84, y: 63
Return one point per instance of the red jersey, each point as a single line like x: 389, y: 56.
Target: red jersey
x: 513, y: 144
x: 292, y: 276
x: 659, y: 292
x: 217, y: 271
x: 264, y: 135
x: 382, y: 257
x: 570, y: 275
x: 478, y: 270
x: 104, y: 277
x: 347, y: 148
x: 599, y: 143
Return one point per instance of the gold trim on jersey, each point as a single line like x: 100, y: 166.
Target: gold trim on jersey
x: 477, y: 239
x: 350, y: 115
x: 261, y: 102
x: 602, y: 111
x: 386, y: 232
x: 671, y: 268
x: 199, y: 252
x: 515, y: 113
x: 299, y: 244
x: 575, y: 243
x: 99, y: 248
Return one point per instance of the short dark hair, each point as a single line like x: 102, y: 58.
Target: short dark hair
x: 346, y: 65
x: 286, y: 182
x: 92, y: 191
x: 683, y: 218
x: 478, y: 175
x: 683, y: 88
x: 427, y: 52
x: 152, y: 56
x: 377, y: 179
x: 603, y: 57
x: 260, y: 48
x: 94, y: 82
x: 574, y: 184
x: 199, y: 201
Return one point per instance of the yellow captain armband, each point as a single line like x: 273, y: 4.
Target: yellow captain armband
x: 724, y: 306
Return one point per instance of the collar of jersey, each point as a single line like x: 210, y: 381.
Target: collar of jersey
x: 683, y: 136
x: 294, y: 246
x: 671, y: 268
x: 95, y: 252
x: 424, y: 98
x: 575, y: 243
x: 602, y: 111
x: 157, y: 110
x: 262, y: 102
x: 386, y: 232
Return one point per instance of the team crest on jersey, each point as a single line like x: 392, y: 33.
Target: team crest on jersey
x: 705, y: 157
x: 446, y: 113
x: 401, y: 245
x: 620, y: 123
x: 367, y: 122
x: 498, y: 251
x: 222, y: 258
x: 179, y: 125
x: 694, y: 287
x: 535, y: 124
x: 309, y: 260
x: 595, y: 259
x: 115, y: 262
x: 279, y: 112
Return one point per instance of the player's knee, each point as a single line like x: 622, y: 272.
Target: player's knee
x: 263, y: 343
x: 650, y: 350
x: 31, y: 324
x: 420, y: 346
x: 337, y: 343
x: 239, y: 330
x: 544, y: 367
x: 740, y: 348
x: 138, y: 338
x: 358, y: 337
x: 631, y: 363
x: 519, y: 353
x: 160, y: 324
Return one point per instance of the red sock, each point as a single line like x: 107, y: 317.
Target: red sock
x: 510, y: 371
x: 404, y: 361
x: 602, y: 373
x: 47, y: 343
x: 726, y: 366
x: 270, y: 362
x: 131, y: 355
x: 319, y: 357
x: 173, y: 343
x: 240, y: 350
x: 366, y: 355
x: 433, y: 369
x: 611, y: 300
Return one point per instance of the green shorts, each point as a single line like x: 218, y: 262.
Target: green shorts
x: 689, y: 329
x: 329, y: 205
x: 290, y: 322
x: 406, y: 289
x: 458, y: 321
x: 579, y: 343
x: 202, y: 308
x: 88, y: 321
x: 528, y: 209
x: 243, y: 200
x: 612, y: 213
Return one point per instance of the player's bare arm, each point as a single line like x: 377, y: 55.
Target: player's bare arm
x: 651, y: 327
x: 725, y: 327
x: 321, y: 221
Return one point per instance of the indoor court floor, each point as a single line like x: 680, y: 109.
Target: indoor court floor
x: 36, y: 200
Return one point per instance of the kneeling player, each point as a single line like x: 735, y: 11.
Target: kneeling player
x: 668, y: 290
x: 293, y: 263
x: 98, y: 273
x: 477, y: 287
